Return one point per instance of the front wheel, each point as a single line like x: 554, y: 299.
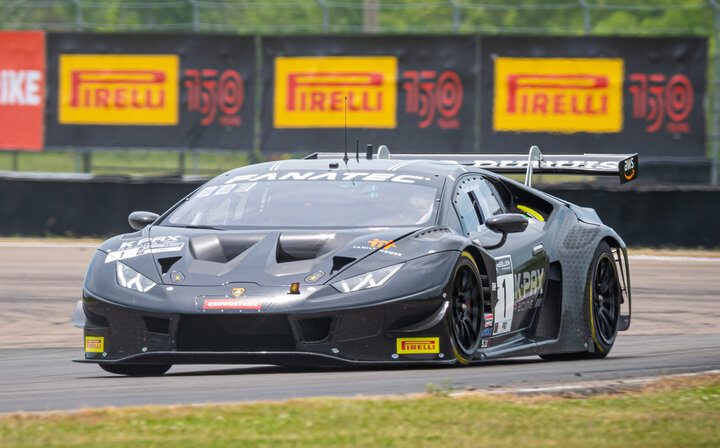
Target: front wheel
x: 136, y: 369
x: 466, y: 316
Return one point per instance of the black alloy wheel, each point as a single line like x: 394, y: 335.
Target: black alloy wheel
x: 466, y: 308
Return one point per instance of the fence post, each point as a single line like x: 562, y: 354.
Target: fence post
x: 587, y: 26
x: 455, y: 15
x: 195, y: 16
x: 715, y: 103
x: 78, y: 16
x: 326, y: 15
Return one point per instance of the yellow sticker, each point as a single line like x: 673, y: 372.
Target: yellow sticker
x: 406, y: 346
x: 310, y: 92
x: 558, y: 95
x: 119, y: 89
x: 94, y: 344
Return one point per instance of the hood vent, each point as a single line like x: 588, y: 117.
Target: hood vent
x: 341, y: 262
x: 301, y: 247
x: 166, y: 263
x: 221, y: 248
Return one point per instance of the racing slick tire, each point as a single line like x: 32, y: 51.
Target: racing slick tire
x: 465, y: 321
x: 136, y: 369
x: 602, y: 305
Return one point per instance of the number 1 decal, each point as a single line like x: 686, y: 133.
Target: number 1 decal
x: 505, y: 295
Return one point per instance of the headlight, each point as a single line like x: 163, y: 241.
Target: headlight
x: 369, y: 280
x: 131, y: 279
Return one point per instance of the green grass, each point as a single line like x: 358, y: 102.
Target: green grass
x: 667, y: 417
x: 128, y: 162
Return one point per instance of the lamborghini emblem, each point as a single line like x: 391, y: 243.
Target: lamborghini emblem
x: 237, y: 292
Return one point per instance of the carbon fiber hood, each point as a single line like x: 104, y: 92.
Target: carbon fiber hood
x: 199, y: 257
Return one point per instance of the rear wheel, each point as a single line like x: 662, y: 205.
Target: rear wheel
x: 136, y: 369
x: 466, y: 319
x: 602, y: 304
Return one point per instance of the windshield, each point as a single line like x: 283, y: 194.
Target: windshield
x: 301, y: 203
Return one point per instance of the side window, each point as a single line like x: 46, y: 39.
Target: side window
x: 488, y: 199
x: 466, y: 204
x: 453, y: 221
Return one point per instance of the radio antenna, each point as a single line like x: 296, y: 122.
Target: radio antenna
x: 345, y: 158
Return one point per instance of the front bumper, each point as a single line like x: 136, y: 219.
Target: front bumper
x: 402, y: 331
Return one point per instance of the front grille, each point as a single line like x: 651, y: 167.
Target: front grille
x: 314, y: 330
x: 157, y: 325
x: 235, y: 333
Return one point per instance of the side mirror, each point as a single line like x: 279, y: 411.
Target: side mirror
x: 506, y: 223
x: 140, y: 220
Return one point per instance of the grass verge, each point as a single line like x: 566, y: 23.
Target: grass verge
x: 665, y: 415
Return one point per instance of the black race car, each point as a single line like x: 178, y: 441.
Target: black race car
x: 405, y: 259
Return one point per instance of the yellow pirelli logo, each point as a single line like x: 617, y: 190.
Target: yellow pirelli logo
x: 407, y: 346
x: 558, y: 95
x: 118, y: 89
x: 94, y: 344
x: 310, y: 92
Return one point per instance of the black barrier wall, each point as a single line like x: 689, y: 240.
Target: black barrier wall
x: 414, y: 93
x: 643, y: 216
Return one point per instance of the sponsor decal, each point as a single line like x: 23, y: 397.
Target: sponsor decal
x: 216, y: 95
x: 629, y: 169
x: 381, y: 244
x: 94, y: 344
x: 663, y: 102
x: 488, y: 320
x: 558, y: 95
x: 487, y: 332
x: 529, y: 284
x: 143, y: 246
x: 22, y: 89
x: 604, y: 165
x: 310, y: 92
x: 237, y: 292
x: 230, y: 304
x: 409, y: 346
x: 311, y: 175
x: 434, y: 98
x: 118, y: 89
x: 504, y: 307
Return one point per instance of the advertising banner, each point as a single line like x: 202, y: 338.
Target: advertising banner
x: 162, y: 91
x: 601, y: 95
x: 22, y: 90
x: 412, y: 93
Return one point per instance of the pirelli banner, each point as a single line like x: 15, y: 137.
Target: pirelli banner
x: 413, y: 93
x: 162, y: 91
x: 594, y: 95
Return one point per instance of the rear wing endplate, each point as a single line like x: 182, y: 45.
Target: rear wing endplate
x: 625, y: 166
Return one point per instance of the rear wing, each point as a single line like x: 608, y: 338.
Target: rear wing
x: 625, y: 166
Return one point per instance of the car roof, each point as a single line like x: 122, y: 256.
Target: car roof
x: 434, y: 169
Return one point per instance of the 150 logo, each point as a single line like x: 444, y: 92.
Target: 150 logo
x: 118, y: 89
x: 660, y: 100
x: 434, y: 98
x: 215, y: 95
x: 312, y: 91
x: 558, y: 95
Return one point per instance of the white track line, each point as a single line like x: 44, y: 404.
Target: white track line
x: 674, y: 258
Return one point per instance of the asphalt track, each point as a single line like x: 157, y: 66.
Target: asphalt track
x: 676, y: 329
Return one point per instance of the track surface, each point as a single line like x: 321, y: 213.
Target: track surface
x: 676, y: 328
